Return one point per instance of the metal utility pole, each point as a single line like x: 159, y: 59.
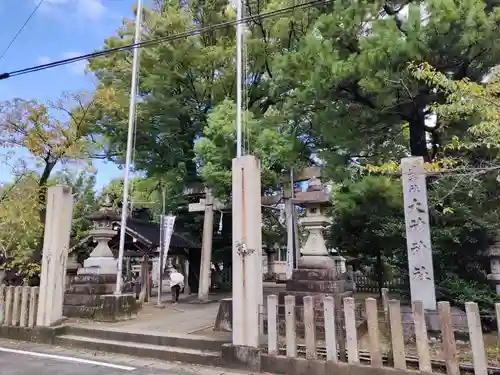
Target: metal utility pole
x: 130, y: 136
x: 239, y: 75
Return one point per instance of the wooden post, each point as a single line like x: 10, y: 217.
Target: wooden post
x: 373, y: 332
x: 309, y: 328
x: 350, y: 330
x: 291, y: 327
x: 272, y: 324
x: 16, y: 308
x: 330, y: 339
x: 422, y: 341
x: 448, y: 335
x: 476, y: 339
x: 398, y: 344
x: 33, y: 307
x: 23, y: 321
x: 9, y: 296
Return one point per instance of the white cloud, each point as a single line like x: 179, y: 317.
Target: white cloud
x: 44, y: 60
x: 76, y: 67
x: 92, y: 10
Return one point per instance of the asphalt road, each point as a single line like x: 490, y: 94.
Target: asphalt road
x: 28, y: 364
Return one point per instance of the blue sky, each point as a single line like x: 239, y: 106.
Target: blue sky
x: 59, y: 29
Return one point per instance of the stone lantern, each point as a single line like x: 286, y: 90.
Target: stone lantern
x: 494, y: 254
x: 315, y: 201
x: 101, y: 261
x: 90, y: 294
x: 317, y: 274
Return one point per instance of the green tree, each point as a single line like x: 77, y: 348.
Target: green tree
x: 478, y: 103
x: 217, y: 148
x: 85, y: 201
x: 54, y: 133
x: 179, y: 85
x: 349, y: 73
x: 368, y: 224
x: 20, y: 229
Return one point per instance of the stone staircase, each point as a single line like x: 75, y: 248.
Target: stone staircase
x: 174, y: 347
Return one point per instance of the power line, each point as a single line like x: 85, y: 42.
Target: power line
x: 21, y: 29
x: 153, y: 42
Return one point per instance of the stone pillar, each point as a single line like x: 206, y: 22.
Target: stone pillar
x: 418, y: 234
x: 247, y: 251
x: 55, y: 254
x: 206, y: 251
x: 494, y: 255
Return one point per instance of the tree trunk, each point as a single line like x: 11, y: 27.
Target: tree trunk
x: 418, y: 141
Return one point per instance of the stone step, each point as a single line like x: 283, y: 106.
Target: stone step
x: 177, y: 340
x: 166, y: 353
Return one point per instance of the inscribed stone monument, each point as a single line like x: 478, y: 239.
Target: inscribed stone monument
x: 418, y: 236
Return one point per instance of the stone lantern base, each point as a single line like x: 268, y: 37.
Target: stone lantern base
x: 90, y: 296
x: 317, y: 283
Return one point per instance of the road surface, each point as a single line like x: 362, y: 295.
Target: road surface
x: 17, y: 358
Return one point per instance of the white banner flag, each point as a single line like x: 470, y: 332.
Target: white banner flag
x: 168, y: 229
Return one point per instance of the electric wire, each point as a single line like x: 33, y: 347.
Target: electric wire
x: 169, y: 38
x: 21, y: 29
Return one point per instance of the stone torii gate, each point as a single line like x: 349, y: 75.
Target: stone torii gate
x: 209, y: 204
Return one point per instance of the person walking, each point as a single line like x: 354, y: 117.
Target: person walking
x: 176, y: 284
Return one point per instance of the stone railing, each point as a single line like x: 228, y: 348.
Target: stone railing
x: 18, y: 305
x: 382, y: 345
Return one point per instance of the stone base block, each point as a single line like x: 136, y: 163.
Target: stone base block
x: 93, y: 289
x: 104, y: 308
x: 315, y: 274
x: 90, y: 296
x: 317, y: 297
x: 316, y: 286
x: 244, y: 357
x: 93, y: 279
x: 224, y: 319
x: 116, y: 308
x: 90, y: 300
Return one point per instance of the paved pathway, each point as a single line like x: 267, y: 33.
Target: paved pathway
x: 182, y: 318
x: 20, y: 358
x: 185, y: 317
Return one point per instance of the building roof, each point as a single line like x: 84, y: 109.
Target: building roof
x: 149, y: 233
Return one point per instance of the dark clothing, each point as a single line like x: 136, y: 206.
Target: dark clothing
x: 176, y: 290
